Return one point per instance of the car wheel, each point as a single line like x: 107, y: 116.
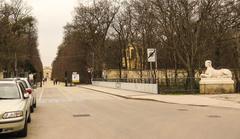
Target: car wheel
x: 24, y: 131
x: 29, y: 118
x: 31, y: 109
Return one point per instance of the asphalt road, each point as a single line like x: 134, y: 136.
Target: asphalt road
x: 78, y: 113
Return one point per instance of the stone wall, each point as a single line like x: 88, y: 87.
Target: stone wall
x: 147, y: 88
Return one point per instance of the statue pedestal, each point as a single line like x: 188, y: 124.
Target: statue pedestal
x: 216, y: 86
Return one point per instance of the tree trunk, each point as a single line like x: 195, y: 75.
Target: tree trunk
x: 175, y: 69
x: 125, y: 55
x: 190, y: 82
x: 120, y: 64
x: 166, y: 77
x: 141, y: 63
x: 237, y: 71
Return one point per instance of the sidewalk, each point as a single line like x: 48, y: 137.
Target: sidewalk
x: 195, y: 100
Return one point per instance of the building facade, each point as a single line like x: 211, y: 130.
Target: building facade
x: 47, y: 72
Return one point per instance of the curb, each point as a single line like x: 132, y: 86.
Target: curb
x: 153, y: 100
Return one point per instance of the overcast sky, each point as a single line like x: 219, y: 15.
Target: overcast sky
x: 52, y: 15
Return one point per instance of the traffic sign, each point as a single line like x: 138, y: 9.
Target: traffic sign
x: 75, y: 77
x: 152, y: 54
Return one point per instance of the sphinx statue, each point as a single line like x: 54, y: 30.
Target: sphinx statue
x: 214, y: 73
x: 215, y: 81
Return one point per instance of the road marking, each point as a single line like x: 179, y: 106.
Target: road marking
x: 41, y: 94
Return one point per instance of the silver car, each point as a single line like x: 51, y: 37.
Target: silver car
x: 29, y: 88
x: 14, y: 108
x: 31, y: 92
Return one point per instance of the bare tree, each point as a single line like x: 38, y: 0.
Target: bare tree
x: 189, y: 28
x: 18, y: 37
x: 186, y: 33
x: 96, y: 21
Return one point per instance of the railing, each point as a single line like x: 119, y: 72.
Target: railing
x: 129, y: 80
x: 179, y: 85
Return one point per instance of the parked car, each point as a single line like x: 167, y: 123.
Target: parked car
x: 33, y: 95
x: 14, y: 108
x: 29, y: 88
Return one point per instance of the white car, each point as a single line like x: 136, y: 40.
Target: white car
x: 32, y: 93
x: 14, y: 108
x: 29, y: 88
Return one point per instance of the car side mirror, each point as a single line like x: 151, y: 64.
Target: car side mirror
x: 26, y: 95
x: 29, y: 91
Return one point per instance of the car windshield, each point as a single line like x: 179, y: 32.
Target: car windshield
x: 9, y: 91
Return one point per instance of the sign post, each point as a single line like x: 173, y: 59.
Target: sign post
x: 75, y: 77
x: 152, y: 58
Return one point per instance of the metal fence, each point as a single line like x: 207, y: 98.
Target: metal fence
x: 129, y: 80
x: 179, y: 85
x: 173, y: 83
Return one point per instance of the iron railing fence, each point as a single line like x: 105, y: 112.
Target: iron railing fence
x: 129, y: 80
x: 173, y: 83
x: 179, y: 85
